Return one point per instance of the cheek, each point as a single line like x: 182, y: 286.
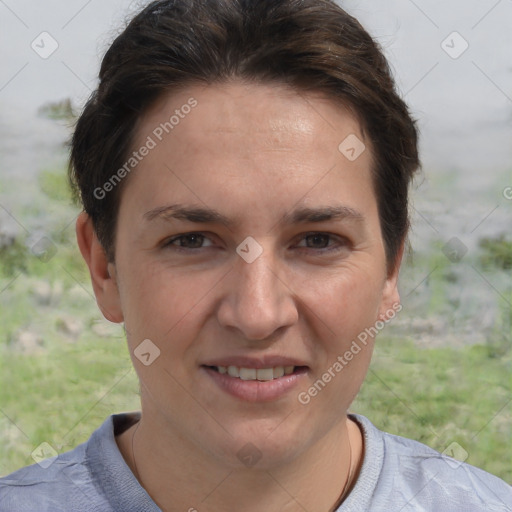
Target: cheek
x: 345, y: 309
x: 346, y: 300
x: 157, y: 302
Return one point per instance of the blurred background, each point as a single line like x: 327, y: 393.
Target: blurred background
x: 441, y: 372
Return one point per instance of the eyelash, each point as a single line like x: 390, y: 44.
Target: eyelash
x: 343, y: 242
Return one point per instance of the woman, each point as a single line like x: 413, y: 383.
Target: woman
x: 244, y: 169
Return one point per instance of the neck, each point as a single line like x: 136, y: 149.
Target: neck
x: 177, y: 477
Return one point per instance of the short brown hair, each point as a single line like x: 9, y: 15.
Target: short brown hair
x: 310, y: 45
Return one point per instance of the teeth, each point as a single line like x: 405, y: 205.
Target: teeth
x: 263, y: 374
x: 233, y: 371
x: 288, y: 370
x: 278, y: 372
x: 248, y: 373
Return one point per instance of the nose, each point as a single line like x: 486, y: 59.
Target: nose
x: 258, y: 301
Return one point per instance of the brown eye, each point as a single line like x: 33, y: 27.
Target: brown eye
x: 188, y: 241
x: 318, y: 241
x: 323, y: 242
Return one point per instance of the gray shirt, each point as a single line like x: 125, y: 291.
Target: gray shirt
x: 397, y: 474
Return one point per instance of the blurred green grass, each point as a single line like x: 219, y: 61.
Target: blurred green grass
x: 435, y: 396
x: 441, y: 395
x: 64, y: 390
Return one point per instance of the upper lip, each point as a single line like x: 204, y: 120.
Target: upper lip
x: 253, y: 362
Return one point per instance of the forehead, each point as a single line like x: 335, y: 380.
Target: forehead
x: 261, y: 140
x: 252, y: 116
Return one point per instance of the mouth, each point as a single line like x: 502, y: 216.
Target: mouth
x: 259, y: 374
x: 248, y: 384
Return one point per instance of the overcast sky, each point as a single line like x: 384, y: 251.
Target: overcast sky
x: 463, y: 100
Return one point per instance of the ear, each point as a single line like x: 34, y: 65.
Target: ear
x: 390, y: 294
x: 103, y: 273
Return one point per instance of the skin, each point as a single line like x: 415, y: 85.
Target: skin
x: 253, y: 153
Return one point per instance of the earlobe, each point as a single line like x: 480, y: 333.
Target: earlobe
x: 102, y: 272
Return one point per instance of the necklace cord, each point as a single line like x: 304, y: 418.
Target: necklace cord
x: 133, y: 454
x: 346, y: 486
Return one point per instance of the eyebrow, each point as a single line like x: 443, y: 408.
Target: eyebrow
x: 191, y: 214
x: 200, y: 215
x: 322, y: 214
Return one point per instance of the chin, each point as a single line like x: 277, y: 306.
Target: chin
x: 261, y: 448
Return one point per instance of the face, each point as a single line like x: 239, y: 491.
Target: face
x: 247, y: 239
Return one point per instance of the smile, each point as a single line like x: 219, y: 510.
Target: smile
x: 262, y: 374
x: 256, y: 384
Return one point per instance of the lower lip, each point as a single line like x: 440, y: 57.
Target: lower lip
x: 255, y: 390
